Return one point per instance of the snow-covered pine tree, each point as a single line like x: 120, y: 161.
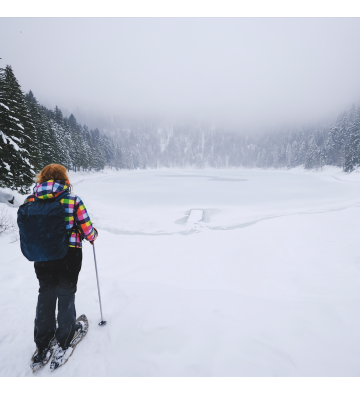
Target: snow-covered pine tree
x: 345, y: 140
x: 117, y: 158
x: 98, y: 154
x: 312, y: 154
x: 67, y: 142
x: 16, y: 130
x: 50, y: 153
x: 333, y: 146
x: 289, y: 156
x: 352, y: 159
x: 20, y: 108
x: 45, y: 140
x: 58, y: 127
x: 76, y: 152
x: 276, y: 155
x: 295, y: 153
x: 109, y: 150
x: 352, y: 113
x: 85, y: 148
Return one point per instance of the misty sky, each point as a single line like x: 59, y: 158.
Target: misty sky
x: 256, y: 71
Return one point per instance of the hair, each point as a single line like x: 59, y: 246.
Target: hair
x: 52, y: 172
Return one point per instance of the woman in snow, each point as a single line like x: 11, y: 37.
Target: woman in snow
x: 58, y: 278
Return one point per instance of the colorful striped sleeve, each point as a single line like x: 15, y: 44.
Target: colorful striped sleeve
x: 83, y: 220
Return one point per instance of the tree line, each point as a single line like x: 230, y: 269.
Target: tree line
x: 32, y: 136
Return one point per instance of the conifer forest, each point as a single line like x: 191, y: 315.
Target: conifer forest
x: 33, y: 136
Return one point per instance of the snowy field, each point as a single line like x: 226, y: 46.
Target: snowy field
x: 205, y: 273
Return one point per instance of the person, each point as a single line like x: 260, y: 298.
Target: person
x: 58, y: 278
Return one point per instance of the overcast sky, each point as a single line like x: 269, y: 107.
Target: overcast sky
x: 252, y: 70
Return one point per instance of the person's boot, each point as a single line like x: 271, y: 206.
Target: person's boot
x: 78, y: 326
x: 58, y: 357
x: 60, y: 352
x: 41, y: 355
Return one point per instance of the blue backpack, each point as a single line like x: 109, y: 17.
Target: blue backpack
x: 42, y: 226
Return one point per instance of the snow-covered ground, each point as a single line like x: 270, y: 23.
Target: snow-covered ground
x: 205, y: 273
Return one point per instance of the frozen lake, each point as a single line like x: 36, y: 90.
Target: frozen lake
x: 158, y: 201
x: 251, y: 273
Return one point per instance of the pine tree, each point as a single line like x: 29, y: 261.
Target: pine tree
x: 332, y: 146
x: 110, y: 151
x: 20, y: 108
x: 77, y: 153
x: 67, y: 142
x: 98, y: 154
x: 57, y: 124
x: 295, y: 153
x: 289, y: 156
x: 48, y: 138
x: 352, y: 155
x: 17, y: 132
x: 345, y: 139
x: 43, y: 133
x: 85, y: 148
x: 312, y: 155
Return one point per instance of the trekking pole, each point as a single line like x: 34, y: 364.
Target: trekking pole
x: 102, y: 322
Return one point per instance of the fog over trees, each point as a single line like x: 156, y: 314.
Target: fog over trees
x: 33, y: 136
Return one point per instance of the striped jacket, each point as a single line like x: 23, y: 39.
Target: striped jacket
x: 76, y: 216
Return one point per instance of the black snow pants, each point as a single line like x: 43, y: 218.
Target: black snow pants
x: 57, y: 280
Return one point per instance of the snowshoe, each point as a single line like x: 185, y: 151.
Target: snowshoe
x: 60, y: 355
x: 42, y: 357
